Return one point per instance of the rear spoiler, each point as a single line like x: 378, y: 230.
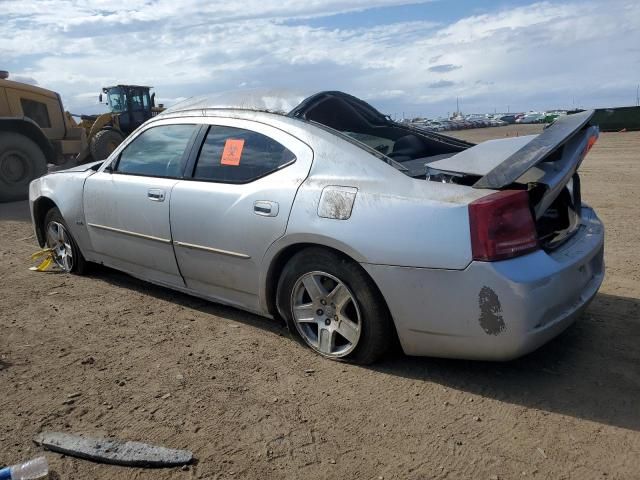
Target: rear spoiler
x: 553, y: 137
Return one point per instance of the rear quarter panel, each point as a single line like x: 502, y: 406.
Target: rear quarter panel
x: 395, y: 219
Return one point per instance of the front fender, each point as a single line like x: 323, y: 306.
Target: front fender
x: 65, y: 191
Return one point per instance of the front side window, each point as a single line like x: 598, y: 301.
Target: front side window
x: 157, y: 152
x: 36, y: 111
x: 117, y: 100
x: 235, y: 155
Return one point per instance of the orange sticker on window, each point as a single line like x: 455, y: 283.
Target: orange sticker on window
x: 232, y: 152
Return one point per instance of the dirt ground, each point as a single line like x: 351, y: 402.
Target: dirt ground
x: 156, y: 366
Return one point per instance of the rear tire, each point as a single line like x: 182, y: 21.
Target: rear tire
x: 355, y: 320
x: 104, y: 142
x: 67, y: 255
x: 21, y: 161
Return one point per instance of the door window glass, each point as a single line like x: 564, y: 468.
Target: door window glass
x: 117, y: 100
x: 235, y: 155
x: 36, y: 111
x: 136, y: 100
x: 157, y: 152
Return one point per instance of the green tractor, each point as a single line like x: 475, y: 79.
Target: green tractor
x: 129, y: 107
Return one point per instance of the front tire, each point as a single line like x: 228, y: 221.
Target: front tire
x: 331, y: 304
x: 21, y: 161
x: 66, y: 253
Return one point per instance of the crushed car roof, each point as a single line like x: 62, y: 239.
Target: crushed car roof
x: 293, y: 103
x: 271, y: 100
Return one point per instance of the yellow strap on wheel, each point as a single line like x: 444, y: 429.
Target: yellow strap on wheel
x: 46, y: 262
x: 40, y: 253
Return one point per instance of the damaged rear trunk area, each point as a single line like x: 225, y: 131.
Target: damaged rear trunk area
x: 545, y: 166
x: 360, y: 122
x: 561, y: 219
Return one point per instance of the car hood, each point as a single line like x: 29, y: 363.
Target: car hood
x: 502, y: 162
x: 81, y: 168
x: 549, y: 159
x: 482, y: 158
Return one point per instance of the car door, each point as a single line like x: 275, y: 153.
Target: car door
x: 235, y: 205
x: 126, y: 205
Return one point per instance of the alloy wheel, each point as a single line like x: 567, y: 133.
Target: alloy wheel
x: 58, y: 239
x: 326, y: 314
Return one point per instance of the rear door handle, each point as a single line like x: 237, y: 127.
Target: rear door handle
x: 265, y: 208
x: 155, y: 194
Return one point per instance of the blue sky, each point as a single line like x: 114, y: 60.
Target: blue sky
x: 401, y: 56
x: 444, y: 12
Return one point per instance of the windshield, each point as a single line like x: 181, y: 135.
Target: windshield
x: 117, y: 100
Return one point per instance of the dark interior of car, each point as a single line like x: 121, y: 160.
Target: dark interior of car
x: 360, y: 121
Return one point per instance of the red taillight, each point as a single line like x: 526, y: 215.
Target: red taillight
x: 502, y: 226
x: 590, y: 143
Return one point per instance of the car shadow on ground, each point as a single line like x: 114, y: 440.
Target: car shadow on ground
x: 123, y: 280
x: 591, y: 371
x: 15, y: 211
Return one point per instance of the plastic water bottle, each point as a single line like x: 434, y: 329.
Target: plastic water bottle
x: 36, y: 468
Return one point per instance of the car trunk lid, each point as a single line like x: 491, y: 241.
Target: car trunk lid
x: 546, y: 165
x: 548, y: 160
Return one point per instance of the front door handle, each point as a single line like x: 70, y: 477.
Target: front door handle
x: 265, y: 208
x: 155, y: 194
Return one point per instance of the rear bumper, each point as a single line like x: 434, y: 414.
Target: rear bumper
x: 495, y: 310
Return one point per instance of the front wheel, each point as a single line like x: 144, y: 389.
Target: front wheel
x: 331, y: 304
x: 66, y: 253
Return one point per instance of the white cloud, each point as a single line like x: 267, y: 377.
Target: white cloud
x: 536, y: 56
x: 24, y: 79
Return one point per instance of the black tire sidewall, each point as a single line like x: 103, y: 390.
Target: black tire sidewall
x: 36, y: 164
x: 99, y: 143
x: 376, y: 328
x: 79, y: 263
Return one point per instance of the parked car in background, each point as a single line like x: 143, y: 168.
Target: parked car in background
x: 531, y: 118
x: 510, y: 119
x: 353, y: 228
x: 550, y: 117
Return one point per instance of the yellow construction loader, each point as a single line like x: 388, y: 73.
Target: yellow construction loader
x: 35, y: 130
x: 129, y: 107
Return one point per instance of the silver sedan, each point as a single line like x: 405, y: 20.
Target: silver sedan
x: 353, y: 228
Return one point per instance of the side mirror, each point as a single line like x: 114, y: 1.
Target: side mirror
x: 109, y: 168
x: 100, y: 98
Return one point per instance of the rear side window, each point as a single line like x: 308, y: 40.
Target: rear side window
x: 157, y: 152
x: 36, y: 111
x: 235, y: 155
